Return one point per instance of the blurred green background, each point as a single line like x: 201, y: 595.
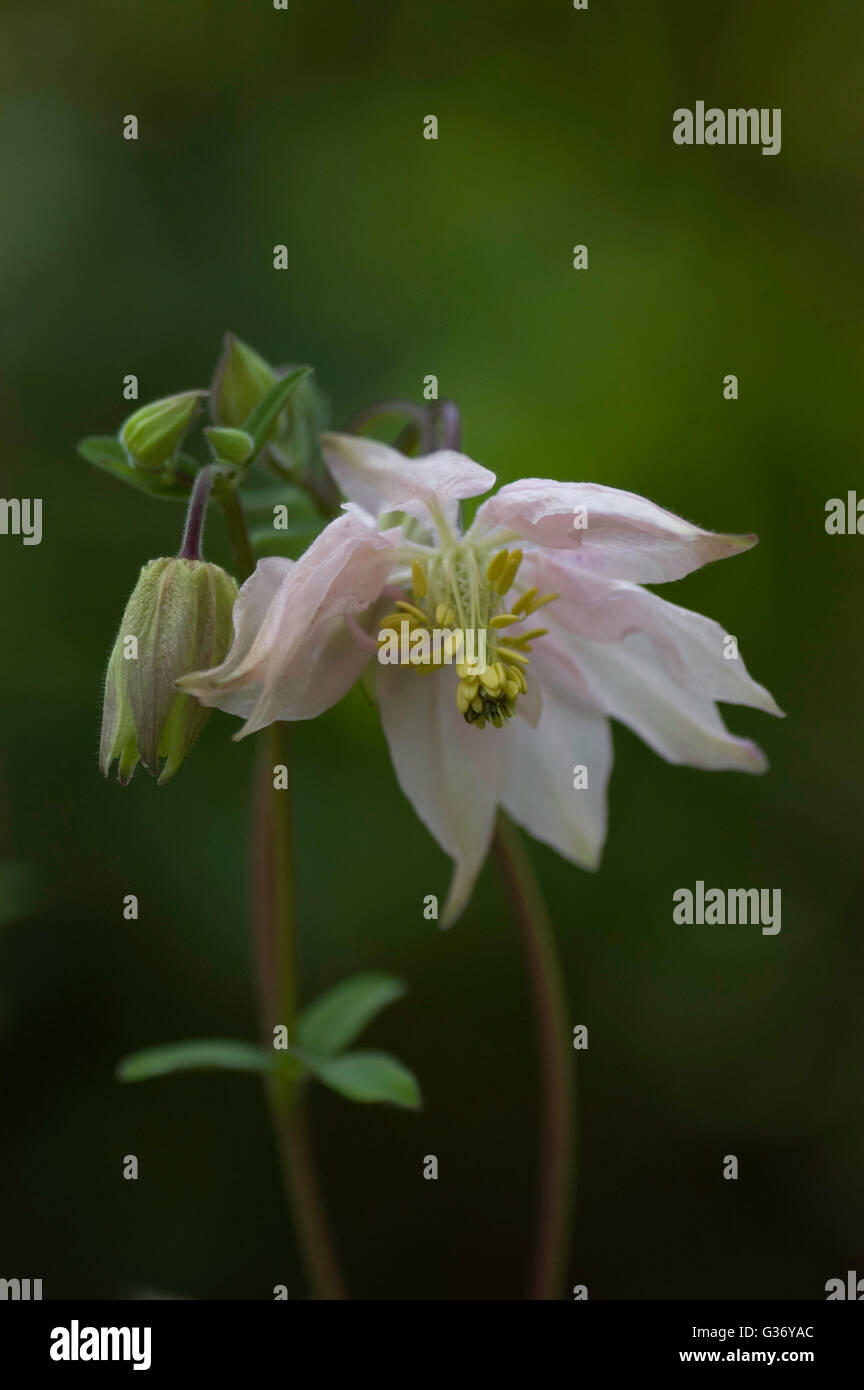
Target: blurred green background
x: 409, y: 257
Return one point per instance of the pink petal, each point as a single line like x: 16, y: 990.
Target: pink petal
x: 625, y: 536
x: 629, y: 682
x: 292, y: 655
x: 380, y: 479
x: 690, y: 646
x: 539, y: 794
x: 429, y: 743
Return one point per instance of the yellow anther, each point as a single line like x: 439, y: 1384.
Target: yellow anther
x: 491, y: 679
x: 512, y: 689
x: 523, y: 603
x: 480, y: 723
x: 502, y: 674
x: 477, y: 705
x: 418, y: 579
x: 512, y: 655
x: 462, y: 700
x: 533, y: 634
x: 393, y: 620
x: 509, y: 572
x: 497, y: 720
x: 413, y: 610
x: 470, y: 687
x: 440, y: 614
x: 539, y: 602
x: 504, y: 620
x: 496, y: 566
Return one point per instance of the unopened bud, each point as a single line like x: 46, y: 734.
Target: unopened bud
x: 152, y: 436
x: 241, y: 381
x: 178, y: 620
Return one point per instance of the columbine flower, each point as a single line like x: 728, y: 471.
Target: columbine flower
x: 464, y: 739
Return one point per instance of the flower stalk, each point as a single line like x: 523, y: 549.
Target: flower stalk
x: 273, y: 922
x: 559, y: 1138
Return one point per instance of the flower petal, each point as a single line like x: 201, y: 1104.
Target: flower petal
x: 624, y: 536
x: 292, y: 655
x: 429, y: 745
x: 540, y: 794
x: 691, y: 647
x: 380, y: 479
x: 628, y: 681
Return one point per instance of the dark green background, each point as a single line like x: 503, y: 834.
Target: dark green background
x: 409, y: 257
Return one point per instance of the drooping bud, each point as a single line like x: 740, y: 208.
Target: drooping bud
x: 178, y: 620
x: 152, y: 436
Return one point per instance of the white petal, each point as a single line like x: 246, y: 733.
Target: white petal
x: 292, y: 655
x: 691, y: 647
x: 428, y: 741
x: 628, y: 681
x: 380, y: 479
x: 626, y: 536
x: 540, y: 795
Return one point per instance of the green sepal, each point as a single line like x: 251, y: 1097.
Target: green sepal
x: 260, y: 422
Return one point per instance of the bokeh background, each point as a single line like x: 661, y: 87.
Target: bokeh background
x: 409, y: 257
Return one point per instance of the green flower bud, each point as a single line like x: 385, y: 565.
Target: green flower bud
x: 153, y: 434
x: 234, y: 446
x: 241, y: 381
x: 178, y: 620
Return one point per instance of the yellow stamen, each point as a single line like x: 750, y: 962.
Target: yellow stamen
x: 394, y: 621
x: 511, y: 655
x: 523, y: 603
x: 504, y: 620
x: 509, y: 572
x: 496, y: 566
x: 418, y: 579
x: 539, y: 602
x: 413, y: 610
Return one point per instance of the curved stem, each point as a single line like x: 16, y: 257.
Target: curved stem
x: 558, y: 1168
x: 419, y: 416
x: 193, y: 531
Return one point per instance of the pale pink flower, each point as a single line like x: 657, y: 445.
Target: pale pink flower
x: 304, y: 631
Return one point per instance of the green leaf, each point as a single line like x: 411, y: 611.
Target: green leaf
x: 368, y: 1077
x: 202, y: 1054
x: 258, y: 424
x: 107, y: 453
x: 333, y: 1020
